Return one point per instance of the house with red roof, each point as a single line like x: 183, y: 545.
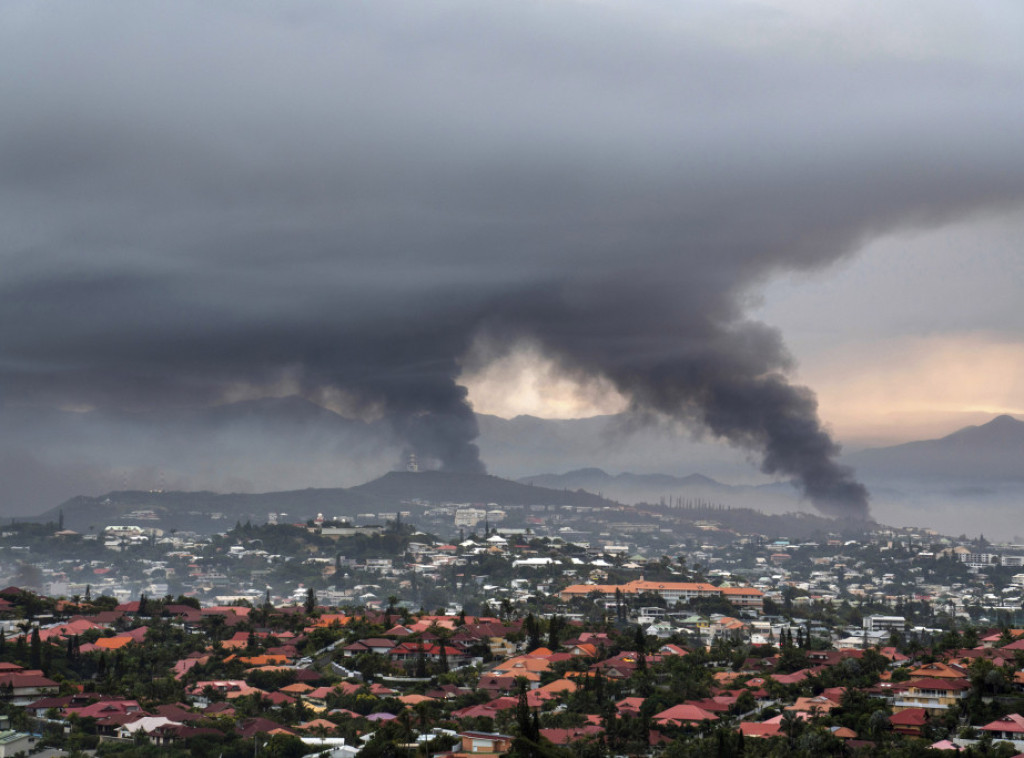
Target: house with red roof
x: 571, y: 734
x: 816, y: 704
x: 760, y: 729
x: 938, y: 670
x: 489, y: 710
x: 934, y: 695
x: 795, y: 678
x: 681, y: 714
x: 377, y: 645
x: 25, y: 686
x: 1010, y: 727
x: 74, y: 627
x: 483, y: 743
x: 909, y: 721
x: 105, y: 708
x: 249, y: 728
x: 629, y: 706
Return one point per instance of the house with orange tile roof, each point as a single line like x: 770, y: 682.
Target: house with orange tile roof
x: 112, y: 643
x: 411, y: 700
x: 528, y: 666
x: 571, y: 735
x: 331, y: 619
x: 227, y: 688
x: 257, y: 661
x: 938, y: 670
x: 681, y: 714
x: 483, y: 743
x: 70, y: 629
x: 584, y: 649
x: 763, y: 729
x: 559, y: 686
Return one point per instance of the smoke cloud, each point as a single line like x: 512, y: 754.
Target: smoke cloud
x: 198, y: 197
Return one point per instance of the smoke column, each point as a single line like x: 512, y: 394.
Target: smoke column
x: 346, y: 198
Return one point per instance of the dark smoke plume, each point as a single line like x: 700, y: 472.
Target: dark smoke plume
x: 206, y: 200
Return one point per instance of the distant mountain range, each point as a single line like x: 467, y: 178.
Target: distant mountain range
x: 635, y: 488
x: 692, y: 489
x: 975, y: 462
x: 992, y: 451
x: 595, y: 479
x: 289, y: 444
x: 969, y: 481
x: 276, y: 444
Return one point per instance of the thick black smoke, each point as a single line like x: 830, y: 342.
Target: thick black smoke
x: 199, y: 198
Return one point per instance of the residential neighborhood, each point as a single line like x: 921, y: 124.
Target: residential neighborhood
x: 282, y: 639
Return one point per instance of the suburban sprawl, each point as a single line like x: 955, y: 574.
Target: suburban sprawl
x: 438, y: 628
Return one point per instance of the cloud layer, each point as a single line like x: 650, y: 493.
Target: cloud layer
x: 353, y: 196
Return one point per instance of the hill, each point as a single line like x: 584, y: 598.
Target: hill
x: 210, y: 511
x: 442, y: 487
x: 692, y: 490
x: 598, y: 480
x: 980, y: 454
x: 289, y: 443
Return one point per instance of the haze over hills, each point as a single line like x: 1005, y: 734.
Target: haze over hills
x: 969, y: 481
x: 272, y: 444
x: 655, y: 488
x: 196, y: 509
x: 992, y: 451
x: 285, y: 444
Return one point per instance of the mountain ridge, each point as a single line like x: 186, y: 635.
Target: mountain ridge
x: 289, y: 444
x: 385, y: 493
x: 990, y: 451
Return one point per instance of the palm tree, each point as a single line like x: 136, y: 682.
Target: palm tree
x: 791, y: 724
x: 405, y: 720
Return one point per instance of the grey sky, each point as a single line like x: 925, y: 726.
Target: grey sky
x: 199, y: 196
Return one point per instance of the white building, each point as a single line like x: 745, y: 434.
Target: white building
x: 885, y: 623
x: 469, y: 517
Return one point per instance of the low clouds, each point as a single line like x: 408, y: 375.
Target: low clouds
x: 199, y: 197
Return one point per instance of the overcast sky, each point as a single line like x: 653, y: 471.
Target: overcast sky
x: 918, y: 334
x: 667, y: 205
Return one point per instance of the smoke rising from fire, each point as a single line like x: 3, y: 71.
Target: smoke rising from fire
x: 199, y: 197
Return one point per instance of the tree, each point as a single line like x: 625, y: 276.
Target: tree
x: 310, y: 601
x: 443, y: 656
x: 877, y: 724
x: 745, y: 703
x: 527, y: 727
x: 639, y: 639
x: 532, y: 629
x: 421, y: 660
x: 555, y: 626
x: 283, y: 746
x: 35, y: 650
x: 791, y: 725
